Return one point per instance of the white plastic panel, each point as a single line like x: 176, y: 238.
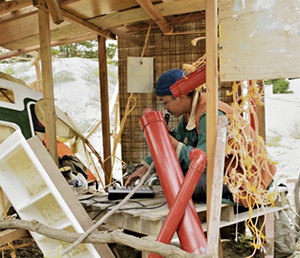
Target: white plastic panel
x: 34, y: 196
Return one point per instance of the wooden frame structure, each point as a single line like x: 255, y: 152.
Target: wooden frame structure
x: 91, y: 19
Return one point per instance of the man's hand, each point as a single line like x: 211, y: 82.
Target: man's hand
x: 138, y: 174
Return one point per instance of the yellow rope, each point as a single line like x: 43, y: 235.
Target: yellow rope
x: 248, y: 158
x: 117, y: 137
x: 145, y: 44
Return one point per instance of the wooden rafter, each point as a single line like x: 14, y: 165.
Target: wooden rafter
x: 117, y: 19
x: 155, y: 15
x: 87, y: 36
x: 21, y: 13
x: 126, y: 36
x: 88, y: 25
x: 67, y: 32
x: 76, y: 19
x: 55, y: 11
x: 11, y: 6
x: 174, y: 21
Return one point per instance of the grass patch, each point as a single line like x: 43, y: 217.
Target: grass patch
x: 92, y: 75
x: 295, y: 131
x: 274, y: 141
x: 63, y: 76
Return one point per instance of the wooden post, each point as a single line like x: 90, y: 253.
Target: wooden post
x: 261, y: 117
x: 104, y: 106
x: 212, y: 92
x: 47, y: 80
x: 217, y: 184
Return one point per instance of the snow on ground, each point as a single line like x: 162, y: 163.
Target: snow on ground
x: 283, y: 133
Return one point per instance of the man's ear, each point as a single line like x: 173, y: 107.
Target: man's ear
x: 181, y: 98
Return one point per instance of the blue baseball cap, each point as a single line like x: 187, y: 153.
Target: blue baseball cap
x: 166, y: 80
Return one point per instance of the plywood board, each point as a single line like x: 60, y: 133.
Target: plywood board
x: 259, y: 39
x: 93, y: 8
x: 165, y: 8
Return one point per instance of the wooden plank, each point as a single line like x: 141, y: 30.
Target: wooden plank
x: 126, y: 36
x: 47, y: 79
x: 94, y: 8
x: 23, y: 28
x: 26, y: 11
x: 84, y: 37
x: 269, y: 232
x: 155, y: 15
x: 57, y: 15
x: 10, y: 235
x: 245, y: 216
x: 135, y: 224
x: 104, y: 108
x: 138, y: 14
x: 64, y: 33
x: 11, y: 6
x: 261, y: 116
x: 212, y: 92
x: 217, y: 186
x: 259, y: 41
x: 185, y: 18
x: 55, y: 11
x: 88, y: 25
x: 19, y: 28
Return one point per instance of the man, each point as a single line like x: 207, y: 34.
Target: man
x: 190, y: 132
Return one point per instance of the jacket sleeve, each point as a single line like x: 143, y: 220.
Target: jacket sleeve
x: 183, y: 150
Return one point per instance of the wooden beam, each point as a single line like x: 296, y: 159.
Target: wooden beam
x: 217, y: 183
x: 66, y: 2
x: 10, y: 235
x: 212, y: 93
x: 11, y: 6
x: 75, y: 19
x: 155, y: 15
x: 168, y: 8
x: 127, y: 37
x: 65, y: 33
x: 18, y: 52
x: 21, y: 13
x: 47, y: 79
x: 55, y: 11
x: 85, y: 37
x: 172, y: 21
x: 88, y: 25
x: 104, y: 107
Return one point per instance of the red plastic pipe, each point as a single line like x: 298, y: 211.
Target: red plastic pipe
x: 196, y: 168
x: 190, y: 232
x: 187, y: 84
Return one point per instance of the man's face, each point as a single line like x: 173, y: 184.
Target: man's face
x: 171, y: 104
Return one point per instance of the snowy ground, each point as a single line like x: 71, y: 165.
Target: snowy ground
x: 283, y: 133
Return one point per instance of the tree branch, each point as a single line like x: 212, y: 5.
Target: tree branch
x: 111, y: 212
x: 141, y: 244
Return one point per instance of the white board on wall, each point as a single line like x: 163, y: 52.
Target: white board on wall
x: 259, y: 39
x: 140, y: 75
